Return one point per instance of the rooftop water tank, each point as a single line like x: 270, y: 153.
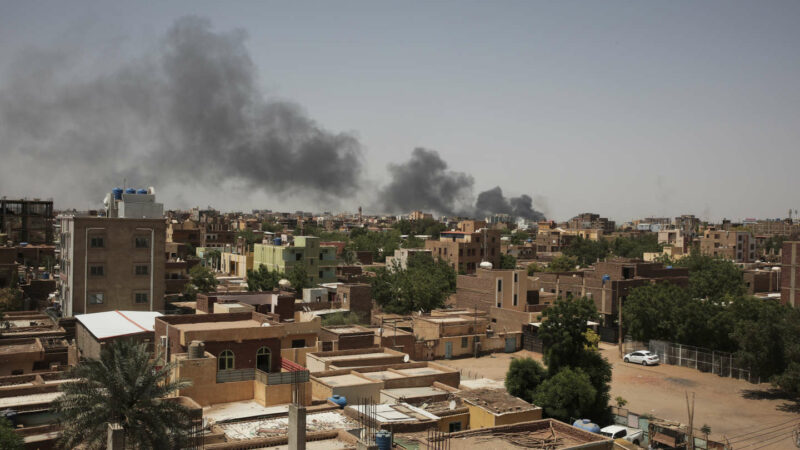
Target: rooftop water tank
x: 276, y: 241
x: 197, y: 350
x: 142, y: 191
x: 486, y: 265
x: 340, y: 400
x: 117, y: 193
x: 130, y: 191
x: 586, y: 424
x: 383, y: 440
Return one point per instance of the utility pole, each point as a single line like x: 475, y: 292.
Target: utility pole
x: 690, y: 411
x: 619, y: 323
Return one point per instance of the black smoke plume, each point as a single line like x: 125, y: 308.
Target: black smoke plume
x: 189, y: 112
x: 423, y: 182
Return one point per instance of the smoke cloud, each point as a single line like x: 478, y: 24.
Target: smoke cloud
x: 424, y: 182
x: 188, y: 113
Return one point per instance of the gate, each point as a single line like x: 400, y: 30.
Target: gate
x: 511, y: 344
x: 448, y: 350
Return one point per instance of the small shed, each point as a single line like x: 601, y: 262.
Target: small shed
x: 93, y: 331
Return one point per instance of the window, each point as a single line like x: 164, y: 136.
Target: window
x: 97, y: 242
x: 454, y: 426
x: 141, y: 269
x: 298, y: 343
x: 141, y: 242
x: 464, y: 342
x: 264, y: 359
x: 140, y: 297
x: 320, y: 274
x: 515, y: 300
x: 226, y: 360
x: 298, y: 256
x: 499, y: 285
x: 96, y: 298
x: 97, y: 270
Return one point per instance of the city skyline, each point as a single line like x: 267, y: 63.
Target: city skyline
x: 626, y: 110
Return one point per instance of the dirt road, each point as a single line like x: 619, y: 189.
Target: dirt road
x: 750, y: 415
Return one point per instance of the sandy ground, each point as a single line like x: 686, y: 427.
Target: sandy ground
x: 749, y: 415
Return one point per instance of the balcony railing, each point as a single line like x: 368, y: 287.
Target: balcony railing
x: 228, y: 376
x: 273, y: 379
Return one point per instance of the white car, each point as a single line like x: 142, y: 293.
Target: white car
x: 620, y: 432
x: 643, y: 357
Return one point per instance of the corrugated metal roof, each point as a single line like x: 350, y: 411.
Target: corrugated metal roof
x: 110, y: 324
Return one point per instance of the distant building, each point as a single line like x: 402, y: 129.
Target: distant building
x: 28, y: 221
x: 738, y: 246
x: 419, y: 215
x: 402, y: 255
x: 591, y: 221
x: 319, y: 261
x: 790, y: 273
x: 116, y: 262
x: 465, y: 251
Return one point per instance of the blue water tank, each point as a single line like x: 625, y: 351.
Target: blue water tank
x: 586, y: 424
x: 23, y: 244
x: 606, y: 278
x: 130, y: 191
x: 117, y: 193
x: 142, y: 191
x: 45, y: 275
x: 276, y: 241
x: 669, y: 267
x: 383, y: 439
x: 339, y: 400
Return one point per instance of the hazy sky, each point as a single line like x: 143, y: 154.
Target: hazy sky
x: 627, y: 109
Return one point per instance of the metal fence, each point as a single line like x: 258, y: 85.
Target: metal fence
x: 228, y: 376
x: 272, y: 379
x: 723, y: 364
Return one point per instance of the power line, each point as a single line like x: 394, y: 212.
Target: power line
x: 774, y: 440
x: 780, y: 431
x: 748, y: 435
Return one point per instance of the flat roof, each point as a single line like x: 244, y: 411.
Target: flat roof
x: 357, y: 356
x: 104, y: 325
x: 343, y: 330
x: 222, y: 412
x: 446, y: 319
x: 344, y: 380
x: 19, y: 348
x: 419, y: 371
x: 33, y: 399
x: 205, y: 326
x: 414, y: 392
x: 279, y: 426
x: 383, y: 375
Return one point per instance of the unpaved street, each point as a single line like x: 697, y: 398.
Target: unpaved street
x: 748, y: 414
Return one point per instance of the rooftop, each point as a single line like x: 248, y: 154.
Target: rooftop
x: 345, y: 380
x: 206, y: 326
x: 497, y: 401
x: 110, y: 324
x: 279, y: 426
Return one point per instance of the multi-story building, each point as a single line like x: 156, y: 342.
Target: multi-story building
x: 675, y: 238
x: 790, y: 273
x: 465, y: 251
x: 319, y: 261
x: 552, y: 239
x: 114, y: 262
x: 402, y: 255
x: 738, y: 246
x: 688, y: 224
x: 608, y: 283
x: 590, y: 220
x: 28, y: 221
x: 419, y: 215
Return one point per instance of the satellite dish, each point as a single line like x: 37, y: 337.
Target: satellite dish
x: 406, y: 358
x: 452, y: 405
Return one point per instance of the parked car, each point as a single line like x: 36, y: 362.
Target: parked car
x: 643, y: 357
x: 620, y: 432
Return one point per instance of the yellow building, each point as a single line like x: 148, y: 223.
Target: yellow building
x: 493, y: 407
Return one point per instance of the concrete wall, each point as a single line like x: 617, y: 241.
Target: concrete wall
x: 205, y: 390
x: 481, y: 418
x: 280, y: 394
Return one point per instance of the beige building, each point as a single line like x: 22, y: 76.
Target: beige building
x: 738, y: 246
x: 111, y: 264
x: 465, y: 251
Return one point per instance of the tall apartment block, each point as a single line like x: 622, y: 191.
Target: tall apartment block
x: 114, y: 262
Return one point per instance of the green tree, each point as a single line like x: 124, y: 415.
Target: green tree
x: 424, y: 285
x: 380, y: 243
x: 567, y: 395
x: 202, y: 278
x: 262, y: 279
x: 636, y: 246
x: 712, y: 278
x: 621, y: 402
x: 298, y: 276
x: 9, y: 440
x: 533, y: 268
x: 519, y: 237
x: 523, y: 377
x: 508, y: 261
x: 587, y: 251
x: 271, y: 227
x: 760, y: 332
x: 563, y: 331
x: 124, y: 386
x: 562, y: 263
x: 249, y: 237
x: 213, y: 258
x: 341, y: 318
x: 11, y: 299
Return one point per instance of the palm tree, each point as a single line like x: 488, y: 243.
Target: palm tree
x: 126, y: 387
